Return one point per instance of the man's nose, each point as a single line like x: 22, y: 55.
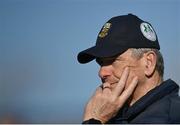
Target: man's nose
x: 104, y: 72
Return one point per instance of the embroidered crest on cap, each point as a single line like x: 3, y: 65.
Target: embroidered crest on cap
x: 105, y: 30
x: 148, y: 31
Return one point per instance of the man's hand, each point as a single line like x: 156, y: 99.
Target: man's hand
x: 105, y: 103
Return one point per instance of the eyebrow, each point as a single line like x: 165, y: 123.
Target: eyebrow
x: 107, y: 58
x: 120, y: 58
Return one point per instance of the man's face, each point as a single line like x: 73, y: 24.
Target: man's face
x: 111, y: 68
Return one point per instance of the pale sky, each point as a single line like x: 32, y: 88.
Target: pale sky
x: 40, y: 78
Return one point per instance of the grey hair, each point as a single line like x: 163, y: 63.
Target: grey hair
x: 138, y: 53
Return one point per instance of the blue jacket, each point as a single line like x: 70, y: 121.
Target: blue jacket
x: 160, y: 105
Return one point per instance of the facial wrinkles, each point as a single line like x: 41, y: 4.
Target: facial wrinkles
x: 117, y: 72
x: 110, y: 77
x: 118, y: 65
x: 113, y: 78
x: 113, y: 70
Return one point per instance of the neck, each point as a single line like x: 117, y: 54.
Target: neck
x: 144, y: 87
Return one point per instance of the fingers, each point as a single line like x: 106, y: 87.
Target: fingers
x: 106, y: 85
x: 105, y: 89
x: 98, y: 90
x: 121, y: 84
x: 127, y: 93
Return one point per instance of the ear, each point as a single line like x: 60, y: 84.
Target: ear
x: 150, y: 63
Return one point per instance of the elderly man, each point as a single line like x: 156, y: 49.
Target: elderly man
x: 131, y: 70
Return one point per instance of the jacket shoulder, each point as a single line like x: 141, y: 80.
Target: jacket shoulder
x: 174, y: 113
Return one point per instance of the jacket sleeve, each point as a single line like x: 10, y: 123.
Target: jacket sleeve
x: 92, y: 121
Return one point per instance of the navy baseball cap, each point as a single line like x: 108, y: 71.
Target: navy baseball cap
x: 118, y: 35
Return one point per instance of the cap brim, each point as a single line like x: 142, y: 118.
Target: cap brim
x: 100, y: 52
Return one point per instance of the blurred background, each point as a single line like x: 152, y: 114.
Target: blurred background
x: 40, y: 78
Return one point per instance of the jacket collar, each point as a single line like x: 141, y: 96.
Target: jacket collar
x: 128, y: 113
x: 152, y: 96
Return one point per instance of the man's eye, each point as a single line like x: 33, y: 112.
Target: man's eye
x: 105, y: 62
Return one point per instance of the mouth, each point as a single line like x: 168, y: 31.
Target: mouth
x: 112, y: 85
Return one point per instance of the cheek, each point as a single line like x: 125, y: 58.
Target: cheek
x: 133, y: 73
x: 118, y: 69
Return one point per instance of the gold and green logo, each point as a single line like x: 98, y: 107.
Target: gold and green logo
x: 105, y: 29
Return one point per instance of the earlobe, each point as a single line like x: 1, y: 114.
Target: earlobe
x: 150, y: 63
